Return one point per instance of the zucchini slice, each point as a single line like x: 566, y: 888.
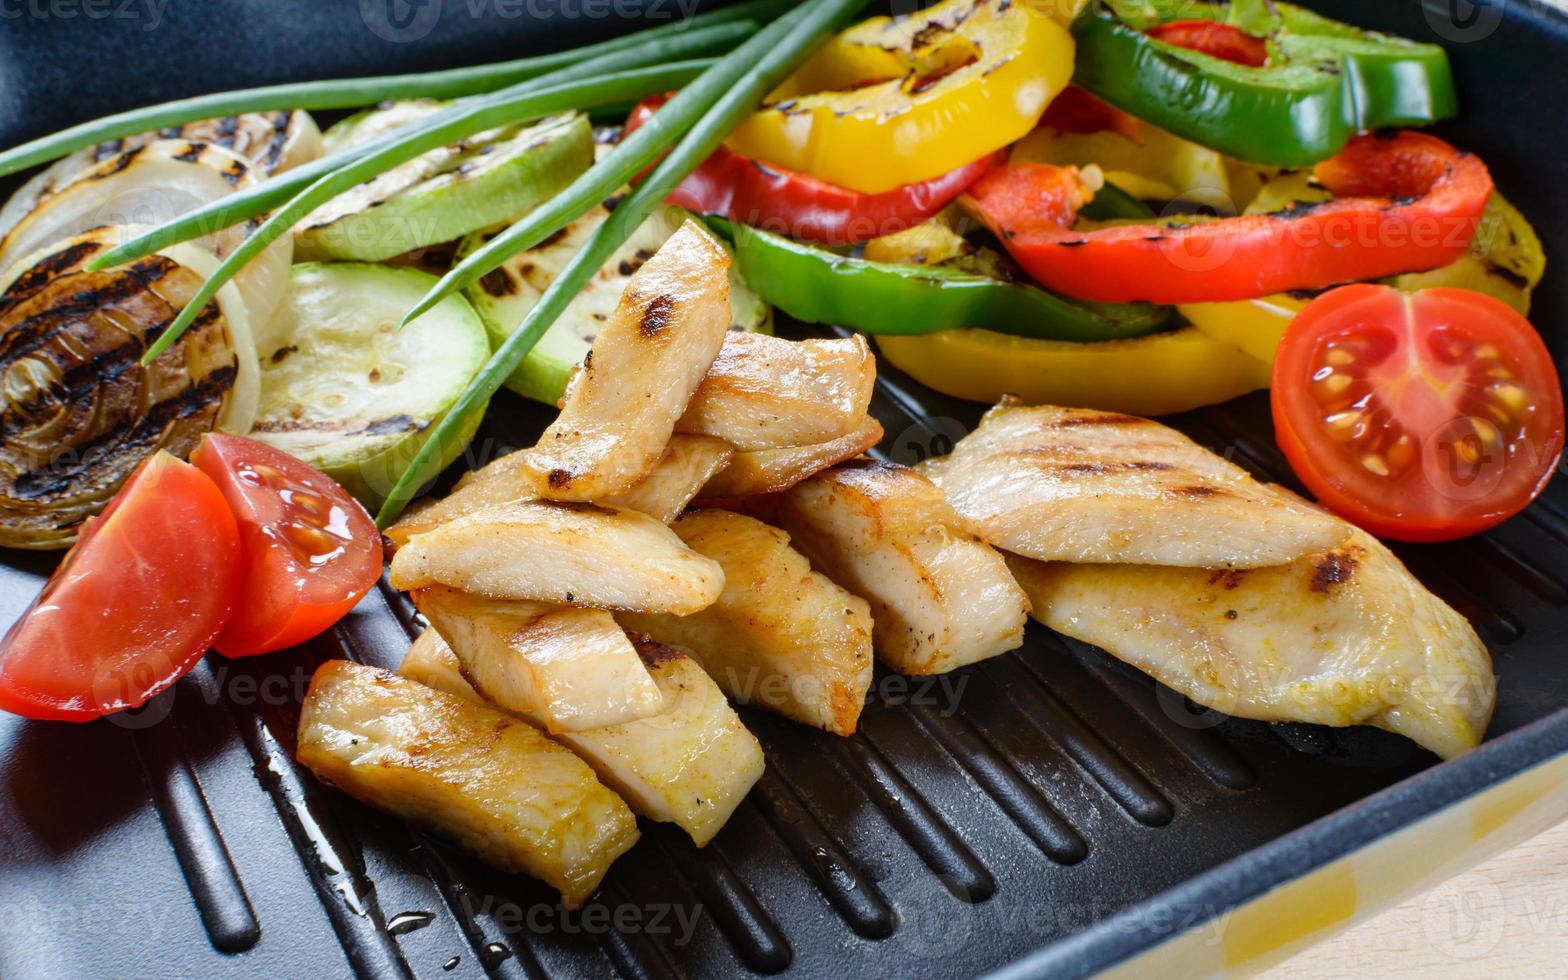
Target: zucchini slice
x: 78, y: 408
x: 348, y: 392
x: 148, y: 185
x: 447, y: 193
x: 504, y: 296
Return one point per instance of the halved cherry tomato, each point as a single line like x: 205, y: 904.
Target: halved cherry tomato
x: 307, y: 549
x: 1215, y: 40
x: 759, y: 194
x: 136, y: 602
x: 1420, y: 416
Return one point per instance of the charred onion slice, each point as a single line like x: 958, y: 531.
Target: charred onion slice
x: 151, y: 184
x: 271, y: 142
x: 78, y: 411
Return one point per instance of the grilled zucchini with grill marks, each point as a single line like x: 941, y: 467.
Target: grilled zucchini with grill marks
x: 78, y: 408
x: 448, y: 192
x: 349, y: 393
x: 489, y: 781
x: 505, y: 295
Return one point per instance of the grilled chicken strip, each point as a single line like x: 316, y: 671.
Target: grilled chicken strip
x: 765, y: 392
x: 561, y: 667
x: 493, y: 783
x: 1346, y: 636
x: 687, y: 464
x: 939, y: 597
x: 776, y: 470
x: 691, y: 764
x: 780, y: 636
x: 1070, y: 484
x: 585, y: 554
x: 636, y: 380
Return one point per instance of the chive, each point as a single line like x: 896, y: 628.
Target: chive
x: 349, y: 92
x: 743, y: 79
x: 501, y: 112
x: 257, y: 200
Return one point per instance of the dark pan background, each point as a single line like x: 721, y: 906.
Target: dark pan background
x: 1050, y: 809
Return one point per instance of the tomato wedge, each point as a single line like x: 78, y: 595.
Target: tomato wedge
x: 1420, y: 416
x: 307, y: 549
x: 759, y: 194
x: 136, y: 602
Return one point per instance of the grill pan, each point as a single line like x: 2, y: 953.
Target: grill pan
x: 1048, y: 812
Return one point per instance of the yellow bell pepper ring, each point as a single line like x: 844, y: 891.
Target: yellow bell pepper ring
x: 1252, y: 325
x: 891, y: 102
x: 1159, y: 374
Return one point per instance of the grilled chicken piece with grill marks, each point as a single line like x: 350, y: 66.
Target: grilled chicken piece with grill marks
x: 691, y: 764
x: 561, y: 667
x: 585, y: 554
x: 780, y: 636
x: 776, y: 470
x: 636, y: 380
x: 765, y: 392
x: 489, y: 781
x: 939, y: 597
x: 1071, y: 484
x: 688, y: 463
x: 1346, y: 636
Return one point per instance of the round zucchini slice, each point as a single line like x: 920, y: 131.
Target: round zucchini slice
x: 79, y: 410
x: 351, y: 394
x: 447, y: 193
x: 505, y: 295
x: 148, y: 185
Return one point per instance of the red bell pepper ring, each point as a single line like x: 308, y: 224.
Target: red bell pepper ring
x: 1407, y: 202
x: 1214, y: 39
x: 786, y: 202
x: 1075, y: 110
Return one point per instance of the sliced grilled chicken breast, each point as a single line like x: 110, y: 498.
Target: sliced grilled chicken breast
x: 766, y: 392
x: 491, y: 782
x: 1069, y: 484
x: 561, y: 667
x: 635, y: 382
x: 501, y: 481
x: 1346, y: 636
x: 585, y: 554
x: 776, y: 470
x: 688, y: 462
x: 691, y: 764
x: 780, y: 636
x: 939, y: 597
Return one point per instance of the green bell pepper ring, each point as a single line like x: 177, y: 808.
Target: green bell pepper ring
x: 1324, y: 81
x: 815, y: 285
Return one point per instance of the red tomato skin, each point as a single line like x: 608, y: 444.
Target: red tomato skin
x: 284, y: 600
x: 1408, y: 202
x: 88, y: 593
x: 1377, y: 514
x: 787, y: 202
x: 1215, y: 40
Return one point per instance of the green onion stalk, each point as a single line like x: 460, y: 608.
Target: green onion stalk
x: 352, y: 92
x: 730, y: 90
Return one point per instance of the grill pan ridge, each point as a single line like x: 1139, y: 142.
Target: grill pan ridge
x: 1047, y: 812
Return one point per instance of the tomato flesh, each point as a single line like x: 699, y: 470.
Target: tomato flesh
x: 134, y: 604
x: 308, y: 550
x: 1420, y: 416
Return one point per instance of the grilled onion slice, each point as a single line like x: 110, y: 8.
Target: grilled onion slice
x: 147, y: 185
x: 271, y: 142
x: 77, y: 409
